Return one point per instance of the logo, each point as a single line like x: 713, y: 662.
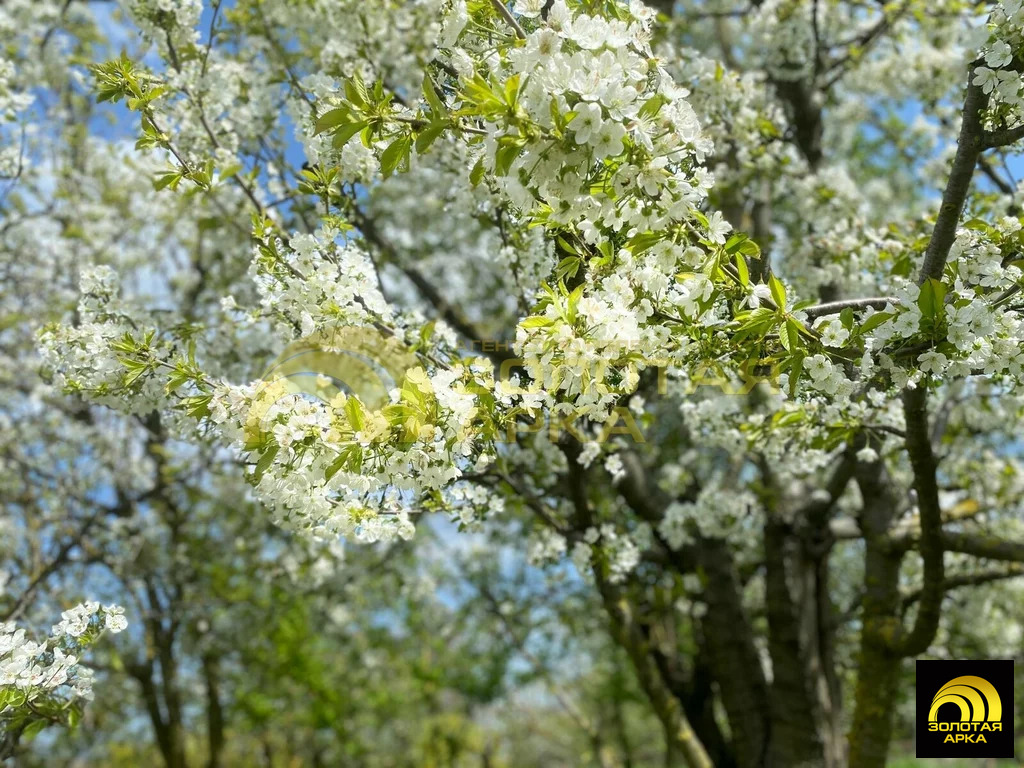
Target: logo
x: 349, y: 360
x: 356, y: 360
x: 965, y: 709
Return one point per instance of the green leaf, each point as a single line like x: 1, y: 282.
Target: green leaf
x: 558, y: 120
x: 568, y: 267
x: 197, y: 406
x: 978, y: 225
x: 264, y: 462
x: 355, y: 91
x: 478, y: 91
x: 512, y: 90
x: 354, y: 411
x: 332, y: 119
x: 643, y: 241
x: 573, y: 303
x: 846, y: 318
x: 349, y: 457
x: 346, y: 132
x: 477, y: 174
x: 778, y: 291
x: 792, y: 335
x: 732, y: 245
x: 32, y: 729
x: 796, y: 368
x: 429, y: 135
x: 874, y: 321
x: 536, y: 321
x: 170, y: 179
x: 930, y: 300
x: 741, y: 268
x: 567, y: 246
x: 436, y: 105
x: 138, y: 370
x: 505, y: 156
x: 396, y: 154
x: 652, y: 106
x: 758, y: 319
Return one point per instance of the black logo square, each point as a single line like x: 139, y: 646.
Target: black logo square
x: 965, y: 708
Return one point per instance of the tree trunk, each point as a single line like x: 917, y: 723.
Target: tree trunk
x: 733, y: 657
x: 679, y: 736
x: 795, y: 736
x: 214, y: 711
x: 878, y: 665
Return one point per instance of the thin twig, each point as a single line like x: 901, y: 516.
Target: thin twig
x: 835, y: 307
x: 506, y: 14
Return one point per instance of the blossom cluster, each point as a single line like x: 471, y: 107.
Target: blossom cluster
x: 84, y: 357
x: 314, y: 274
x: 718, y: 512
x: 999, y: 76
x: 34, y: 673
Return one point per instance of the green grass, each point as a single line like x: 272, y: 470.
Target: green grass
x: 914, y: 762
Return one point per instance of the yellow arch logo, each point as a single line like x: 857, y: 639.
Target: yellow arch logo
x: 354, y: 360
x: 971, y: 694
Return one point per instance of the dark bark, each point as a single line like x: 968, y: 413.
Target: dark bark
x: 143, y: 674
x: 731, y: 655
x: 697, y: 694
x: 9, y: 742
x: 680, y: 738
x: 214, y: 711
x: 922, y: 461
x: 993, y: 139
x: 662, y: 6
x: 981, y: 545
x: 733, y: 658
x: 878, y: 663
x: 795, y: 737
x: 805, y: 117
x: 968, y: 149
x: 818, y: 638
x: 157, y: 676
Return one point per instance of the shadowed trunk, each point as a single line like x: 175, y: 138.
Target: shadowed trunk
x: 795, y: 737
x: 733, y: 657
x: 878, y: 664
x: 214, y: 710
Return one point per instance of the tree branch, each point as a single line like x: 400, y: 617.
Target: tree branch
x: 451, y: 314
x: 922, y: 461
x: 993, y: 139
x: 969, y: 580
x: 969, y: 147
x: 835, y: 307
x: 506, y: 14
x: 989, y: 547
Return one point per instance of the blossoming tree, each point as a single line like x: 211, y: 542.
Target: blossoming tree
x: 718, y: 302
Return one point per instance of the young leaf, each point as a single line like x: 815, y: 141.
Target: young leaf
x: 396, y: 153
x: 346, y: 132
x: 930, y: 300
x: 436, y: 106
x: 778, y: 291
x: 741, y: 269
x: 477, y: 174
x: 332, y: 119
x: 429, y: 135
x: 264, y: 462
